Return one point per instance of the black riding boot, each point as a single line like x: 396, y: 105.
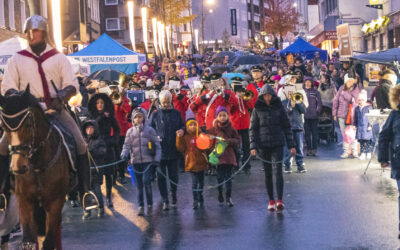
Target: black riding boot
x: 4, y: 182
x: 88, y: 198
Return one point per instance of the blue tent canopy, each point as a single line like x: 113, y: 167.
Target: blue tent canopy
x: 106, y: 53
x: 305, y: 48
x: 382, y: 57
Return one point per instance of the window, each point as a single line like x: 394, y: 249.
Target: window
x: 380, y: 41
x: 2, y: 19
x: 366, y: 45
x: 11, y: 14
x: 257, y: 26
x: 373, y: 43
x: 94, y: 9
x: 23, y: 15
x: 112, y: 24
x: 44, y: 8
x: 111, y: 2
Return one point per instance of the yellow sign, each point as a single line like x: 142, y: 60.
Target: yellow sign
x: 374, y: 25
x: 374, y: 2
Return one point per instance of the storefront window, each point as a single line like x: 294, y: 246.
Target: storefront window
x: 380, y: 41
x: 373, y: 43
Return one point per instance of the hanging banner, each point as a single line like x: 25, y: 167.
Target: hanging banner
x: 233, y: 22
x: 343, y: 35
x: 107, y: 59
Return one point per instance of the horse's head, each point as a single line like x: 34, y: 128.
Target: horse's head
x: 18, y: 121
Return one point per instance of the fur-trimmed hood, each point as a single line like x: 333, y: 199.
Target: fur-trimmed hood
x: 394, y: 97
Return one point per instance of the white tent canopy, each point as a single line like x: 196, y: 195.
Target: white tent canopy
x: 8, y: 48
x: 79, y: 68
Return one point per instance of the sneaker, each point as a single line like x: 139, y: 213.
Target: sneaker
x: 301, y: 169
x: 313, y: 152
x: 110, y: 203
x: 355, y: 155
x: 344, y: 156
x: 362, y: 156
x: 195, y: 205
x: 86, y: 214
x: 141, y: 211
x: 165, y: 206
x: 369, y: 156
x: 271, y: 206
x: 279, y: 205
x: 174, y: 200
x: 229, y: 202
x: 74, y: 203
x: 100, y: 212
x: 287, y: 170
x: 220, y: 197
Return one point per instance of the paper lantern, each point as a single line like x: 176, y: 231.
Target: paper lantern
x: 203, y: 142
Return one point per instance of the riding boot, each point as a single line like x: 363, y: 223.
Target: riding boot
x: 4, y: 182
x: 88, y: 198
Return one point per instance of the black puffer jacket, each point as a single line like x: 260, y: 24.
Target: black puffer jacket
x: 270, y: 125
x: 108, y: 125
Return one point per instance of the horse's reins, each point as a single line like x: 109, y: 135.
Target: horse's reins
x: 30, y: 149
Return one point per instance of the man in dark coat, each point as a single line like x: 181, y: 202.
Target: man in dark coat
x: 382, y: 90
x: 168, y: 123
x: 269, y: 130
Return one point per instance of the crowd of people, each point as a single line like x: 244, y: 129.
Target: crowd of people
x: 273, y: 111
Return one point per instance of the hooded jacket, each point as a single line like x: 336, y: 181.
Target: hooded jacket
x: 314, y: 102
x: 343, y: 98
x: 389, y: 137
x: 195, y: 159
x: 138, y: 139
x: 295, y: 114
x: 362, y: 124
x: 96, y: 145
x: 382, y: 94
x: 166, y: 122
x: 108, y: 125
x: 270, y: 125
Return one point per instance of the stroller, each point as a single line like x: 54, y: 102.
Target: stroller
x: 326, y: 125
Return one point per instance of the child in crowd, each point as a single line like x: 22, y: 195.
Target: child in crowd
x: 364, y: 128
x: 97, y: 149
x: 223, y: 128
x: 195, y: 160
x: 143, y: 148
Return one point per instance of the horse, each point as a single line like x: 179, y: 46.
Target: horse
x: 39, y: 163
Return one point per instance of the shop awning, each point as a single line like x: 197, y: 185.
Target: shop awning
x: 382, y: 57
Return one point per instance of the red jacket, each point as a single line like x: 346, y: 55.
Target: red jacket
x: 232, y: 138
x: 240, y: 116
x: 210, y: 105
x: 181, y: 103
x: 199, y: 110
x: 122, y: 112
x: 253, y: 88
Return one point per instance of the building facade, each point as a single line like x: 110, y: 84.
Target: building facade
x: 12, y: 17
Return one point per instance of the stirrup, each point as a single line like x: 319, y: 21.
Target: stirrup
x: 3, y: 197
x: 90, y: 193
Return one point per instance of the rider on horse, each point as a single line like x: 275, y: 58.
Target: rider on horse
x: 51, y: 80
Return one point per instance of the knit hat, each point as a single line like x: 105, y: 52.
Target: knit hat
x: 363, y: 95
x: 165, y: 94
x: 221, y: 109
x: 137, y: 111
x: 190, y: 121
x: 276, y: 78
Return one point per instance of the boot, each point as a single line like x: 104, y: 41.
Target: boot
x: 220, y: 197
x: 345, y: 151
x: 89, y: 199
x: 4, y: 182
x: 229, y: 201
x: 100, y: 212
x: 174, y: 199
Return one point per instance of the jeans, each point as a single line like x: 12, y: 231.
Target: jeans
x: 274, y: 154
x: 224, y: 173
x: 172, y: 167
x: 398, y: 187
x: 244, y: 134
x: 143, y: 180
x: 311, y: 129
x: 298, y: 138
x: 197, y: 184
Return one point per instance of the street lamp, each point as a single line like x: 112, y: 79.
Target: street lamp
x: 208, y: 2
x: 56, y: 13
x: 144, y: 26
x: 131, y: 24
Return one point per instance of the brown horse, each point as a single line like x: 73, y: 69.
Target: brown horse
x: 40, y: 165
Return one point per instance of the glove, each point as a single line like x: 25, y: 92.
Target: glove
x: 227, y: 97
x: 66, y: 93
x: 125, y: 157
x: 180, y: 97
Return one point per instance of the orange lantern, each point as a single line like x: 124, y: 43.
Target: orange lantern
x: 203, y: 142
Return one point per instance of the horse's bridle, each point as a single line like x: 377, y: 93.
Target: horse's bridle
x: 27, y: 150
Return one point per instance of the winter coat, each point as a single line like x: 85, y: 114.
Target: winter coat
x: 210, y: 102
x: 108, y: 126
x: 122, y: 112
x: 195, y: 159
x: 389, y: 137
x: 382, y: 94
x: 137, y: 141
x: 97, y: 148
x: 181, y: 103
x: 343, y: 98
x: 314, y: 103
x: 269, y: 125
x: 364, y: 129
x: 199, y: 109
x: 166, y: 122
x: 327, y: 94
x: 232, y: 139
x: 240, y: 114
x: 295, y: 114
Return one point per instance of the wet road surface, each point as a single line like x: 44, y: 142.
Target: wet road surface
x: 332, y: 206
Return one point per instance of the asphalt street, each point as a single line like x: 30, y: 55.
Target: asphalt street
x: 332, y: 206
